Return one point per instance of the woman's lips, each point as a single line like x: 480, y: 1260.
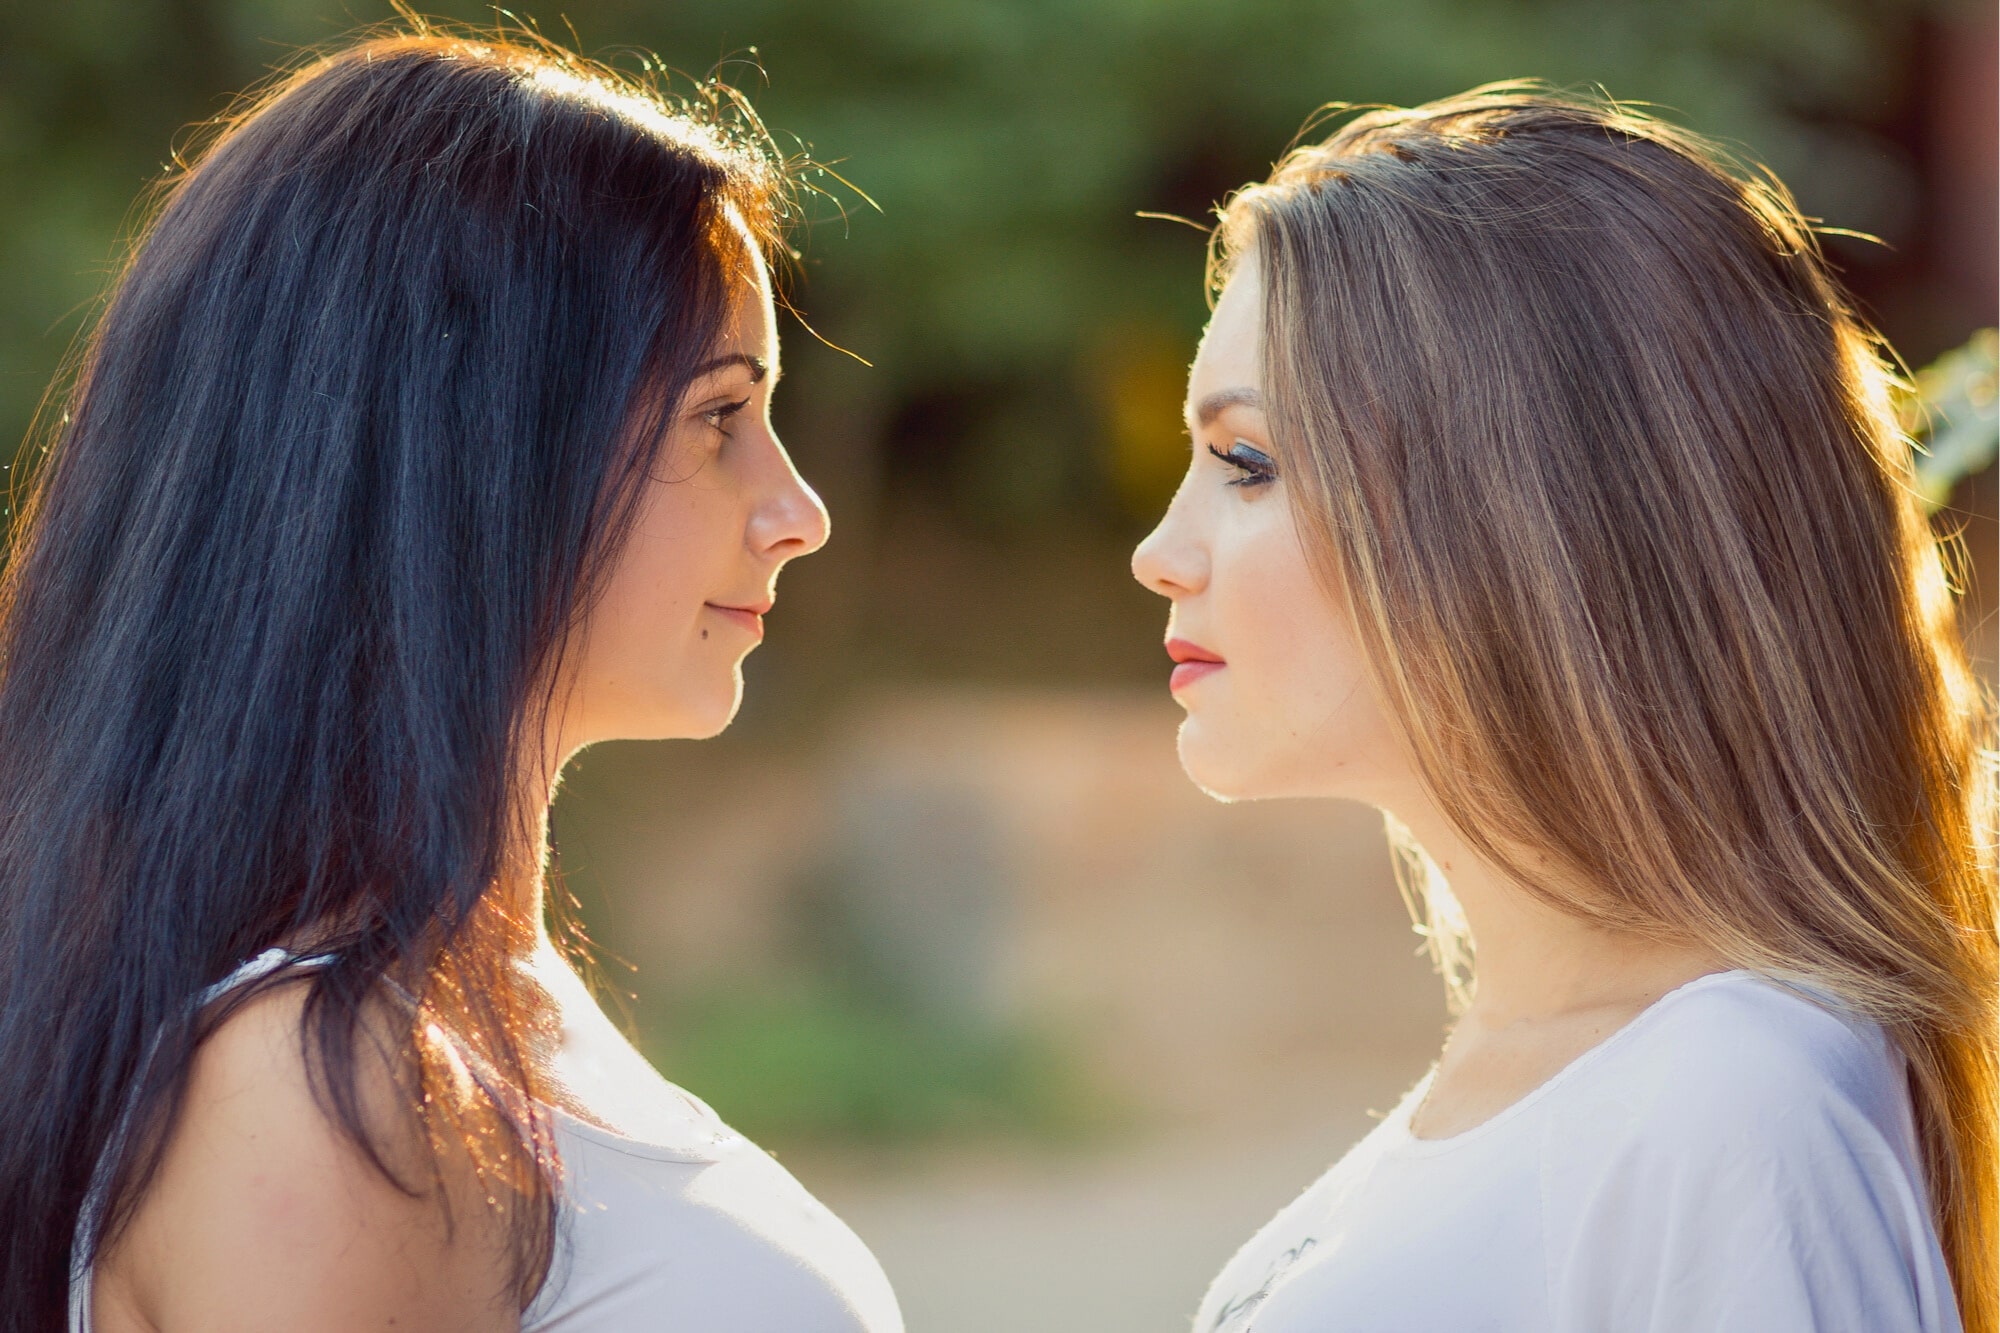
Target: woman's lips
x: 1192, y: 662
x: 751, y: 618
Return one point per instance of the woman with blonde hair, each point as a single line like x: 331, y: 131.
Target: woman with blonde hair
x: 1546, y: 493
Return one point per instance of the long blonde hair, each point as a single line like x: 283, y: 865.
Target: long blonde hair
x: 1608, y: 470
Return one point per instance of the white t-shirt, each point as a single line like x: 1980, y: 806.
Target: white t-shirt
x: 694, y: 1229
x: 703, y: 1234
x: 1739, y: 1158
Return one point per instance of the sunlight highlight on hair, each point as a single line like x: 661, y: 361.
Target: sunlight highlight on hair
x: 633, y: 108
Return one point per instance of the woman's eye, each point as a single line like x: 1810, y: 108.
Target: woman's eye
x: 718, y: 417
x: 1255, y: 466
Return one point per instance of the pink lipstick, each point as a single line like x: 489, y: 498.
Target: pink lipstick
x: 751, y: 618
x: 1192, y: 662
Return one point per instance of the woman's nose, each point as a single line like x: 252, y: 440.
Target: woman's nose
x: 1170, y: 561
x: 792, y: 521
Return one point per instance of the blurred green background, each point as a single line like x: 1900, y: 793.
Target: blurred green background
x: 1028, y: 331
x: 939, y: 910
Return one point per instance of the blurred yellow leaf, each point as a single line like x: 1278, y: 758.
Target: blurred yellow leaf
x: 1141, y: 374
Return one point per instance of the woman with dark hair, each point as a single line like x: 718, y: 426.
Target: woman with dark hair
x: 423, y: 441
x: 1546, y: 495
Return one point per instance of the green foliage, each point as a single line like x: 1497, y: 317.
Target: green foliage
x: 1009, y: 143
x: 818, y: 1062
x: 1954, y: 416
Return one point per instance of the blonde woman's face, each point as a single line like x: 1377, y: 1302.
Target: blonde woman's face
x: 1277, y: 696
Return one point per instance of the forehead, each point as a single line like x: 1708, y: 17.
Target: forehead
x: 753, y: 324
x: 1231, y: 349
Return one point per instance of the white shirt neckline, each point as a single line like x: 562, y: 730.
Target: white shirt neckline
x: 1741, y: 1154
x: 1396, y: 1131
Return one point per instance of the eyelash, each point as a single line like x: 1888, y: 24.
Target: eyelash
x: 1256, y: 467
x: 719, y: 417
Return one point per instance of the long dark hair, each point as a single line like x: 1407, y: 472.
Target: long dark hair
x: 341, y: 465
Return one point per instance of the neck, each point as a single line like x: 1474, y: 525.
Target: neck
x: 526, y: 875
x: 1532, y: 960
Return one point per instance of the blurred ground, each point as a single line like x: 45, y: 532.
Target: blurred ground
x: 1124, y: 1240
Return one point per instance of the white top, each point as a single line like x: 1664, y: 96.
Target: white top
x: 1739, y: 1158
x: 696, y: 1232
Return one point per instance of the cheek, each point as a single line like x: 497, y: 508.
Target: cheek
x: 648, y: 671
x: 1294, y: 650
x: 657, y: 585
x: 1303, y: 716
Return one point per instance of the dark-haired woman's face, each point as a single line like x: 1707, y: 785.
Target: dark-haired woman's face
x: 663, y: 650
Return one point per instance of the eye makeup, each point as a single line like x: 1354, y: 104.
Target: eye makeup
x: 1254, y: 465
x: 718, y: 417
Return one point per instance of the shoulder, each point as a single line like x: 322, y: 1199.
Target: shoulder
x: 1735, y: 1059
x: 264, y: 1212
x: 1743, y: 1158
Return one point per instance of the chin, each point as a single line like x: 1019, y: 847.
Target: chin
x: 684, y: 715
x: 1210, y: 764
x: 1242, y: 763
x: 711, y: 717
x: 722, y: 708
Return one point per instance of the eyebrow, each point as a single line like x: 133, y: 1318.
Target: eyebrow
x: 1215, y: 404
x: 756, y: 365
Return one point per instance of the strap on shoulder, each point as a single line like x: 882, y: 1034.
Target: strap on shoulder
x: 260, y: 967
